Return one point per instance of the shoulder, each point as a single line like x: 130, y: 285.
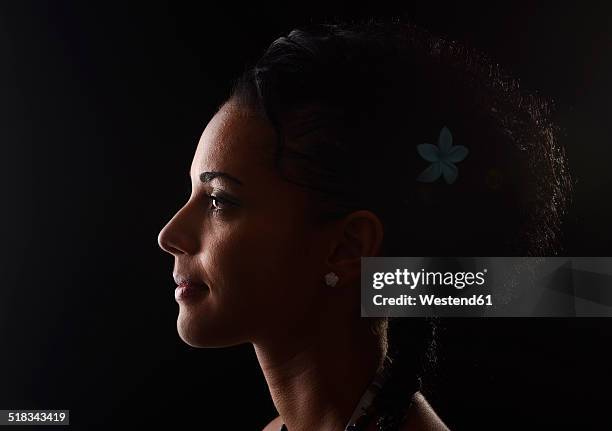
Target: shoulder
x: 421, y: 416
x: 274, y: 425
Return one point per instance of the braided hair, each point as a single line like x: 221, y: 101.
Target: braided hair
x: 350, y: 101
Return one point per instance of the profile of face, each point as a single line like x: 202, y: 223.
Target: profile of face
x: 244, y: 232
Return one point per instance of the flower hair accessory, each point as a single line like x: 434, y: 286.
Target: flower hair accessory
x: 442, y: 157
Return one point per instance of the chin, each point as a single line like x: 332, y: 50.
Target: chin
x: 202, y: 333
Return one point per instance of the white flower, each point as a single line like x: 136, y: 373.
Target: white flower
x: 442, y: 157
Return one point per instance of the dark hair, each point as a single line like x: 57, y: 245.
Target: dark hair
x: 351, y: 101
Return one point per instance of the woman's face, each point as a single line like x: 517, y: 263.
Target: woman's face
x: 261, y: 259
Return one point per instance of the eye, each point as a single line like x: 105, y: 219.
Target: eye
x: 218, y: 203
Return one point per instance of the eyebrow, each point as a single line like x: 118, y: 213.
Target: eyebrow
x: 206, y: 177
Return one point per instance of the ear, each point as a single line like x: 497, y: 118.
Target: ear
x: 359, y: 234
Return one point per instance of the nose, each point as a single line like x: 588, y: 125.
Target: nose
x: 178, y: 236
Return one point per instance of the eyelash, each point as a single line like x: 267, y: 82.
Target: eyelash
x: 220, y: 201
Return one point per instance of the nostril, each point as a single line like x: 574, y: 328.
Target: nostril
x: 177, y: 236
x: 173, y: 243
x: 164, y: 244
x: 173, y: 250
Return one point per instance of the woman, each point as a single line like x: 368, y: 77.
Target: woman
x: 315, y: 160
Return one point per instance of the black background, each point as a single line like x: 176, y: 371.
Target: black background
x: 102, y: 107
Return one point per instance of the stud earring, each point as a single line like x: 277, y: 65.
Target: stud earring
x: 331, y: 279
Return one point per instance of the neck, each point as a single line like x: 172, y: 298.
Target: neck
x: 316, y: 376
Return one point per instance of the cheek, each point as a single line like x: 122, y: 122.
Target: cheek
x: 264, y: 275
x: 266, y: 255
x: 266, y: 269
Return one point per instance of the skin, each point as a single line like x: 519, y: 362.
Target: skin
x: 264, y: 262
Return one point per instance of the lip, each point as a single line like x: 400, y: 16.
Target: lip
x: 186, y: 278
x: 188, y: 291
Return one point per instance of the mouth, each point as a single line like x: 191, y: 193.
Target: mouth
x: 188, y: 292
x: 189, y: 289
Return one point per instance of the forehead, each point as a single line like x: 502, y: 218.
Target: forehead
x: 235, y: 141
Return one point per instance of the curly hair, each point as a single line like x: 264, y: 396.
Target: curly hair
x: 350, y: 101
